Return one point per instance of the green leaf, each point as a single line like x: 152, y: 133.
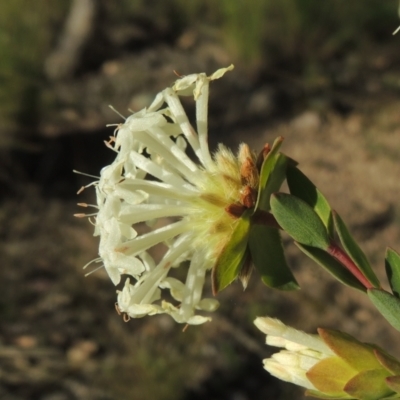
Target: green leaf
x: 387, y: 304
x: 354, y: 251
x: 299, y: 220
x: 368, y: 385
x: 301, y: 187
x: 268, y: 256
x: 232, y: 256
x: 394, y: 383
x: 392, y: 266
x: 272, y: 175
x: 333, y: 266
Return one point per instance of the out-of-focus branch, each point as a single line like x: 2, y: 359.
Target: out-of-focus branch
x: 62, y: 62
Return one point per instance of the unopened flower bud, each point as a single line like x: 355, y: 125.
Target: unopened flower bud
x: 330, y: 365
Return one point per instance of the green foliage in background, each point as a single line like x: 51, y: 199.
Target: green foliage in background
x: 25, y: 40
x: 253, y: 31
x: 257, y: 29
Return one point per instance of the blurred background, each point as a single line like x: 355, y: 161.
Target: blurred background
x: 324, y: 74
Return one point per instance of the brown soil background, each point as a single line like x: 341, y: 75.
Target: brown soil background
x: 60, y: 337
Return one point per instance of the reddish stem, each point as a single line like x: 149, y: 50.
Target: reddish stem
x: 335, y: 251
x: 266, y: 218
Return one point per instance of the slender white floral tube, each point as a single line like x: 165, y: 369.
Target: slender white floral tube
x: 302, y: 351
x: 154, y: 181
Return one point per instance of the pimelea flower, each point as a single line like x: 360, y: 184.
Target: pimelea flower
x: 191, y: 206
x: 331, y: 365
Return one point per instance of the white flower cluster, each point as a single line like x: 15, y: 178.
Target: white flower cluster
x: 302, y: 351
x: 153, y: 180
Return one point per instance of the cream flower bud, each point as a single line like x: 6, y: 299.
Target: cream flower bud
x: 330, y: 365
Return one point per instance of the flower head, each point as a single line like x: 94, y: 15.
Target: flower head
x: 331, y: 365
x: 190, y: 207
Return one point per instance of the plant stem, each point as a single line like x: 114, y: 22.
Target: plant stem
x: 335, y: 251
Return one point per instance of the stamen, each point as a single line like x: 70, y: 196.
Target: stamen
x: 96, y: 260
x: 87, y: 205
x: 178, y: 74
x: 81, y: 215
x: 117, y: 112
x: 86, y: 186
x: 109, y: 146
x: 85, y: 174
x: 96, y: 269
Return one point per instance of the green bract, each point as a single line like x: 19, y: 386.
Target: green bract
x: 253, y: 240
x: 232, y: 257
x: 265, y: 243
x: 272, y: 175
x: 330, y: 365
x: 355, y: 372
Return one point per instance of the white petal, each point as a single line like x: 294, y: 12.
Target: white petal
x: 194, y: 285
x: 171, y: 154
x: 197, y: 320
x: 221, y: 72
x: 185, y: 85
x: 274, y: 327
x: 157, y: 171
x: 180, y: 116
x: 133, y: 214
x: 176, y: 287
x: 143, y: 242
x: 157, y: 102
x: 142, y: 122
x: 110, y: 176
x: 202, y: 120
x: 127, y: 264
x: 163, y: 190
x: 141, y: 310
x: 286, y: 374
x: 130, y: 196
x: 209, y: 305
x: 174, y: 148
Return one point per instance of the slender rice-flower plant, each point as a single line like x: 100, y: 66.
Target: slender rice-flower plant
x: 186, y: 204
